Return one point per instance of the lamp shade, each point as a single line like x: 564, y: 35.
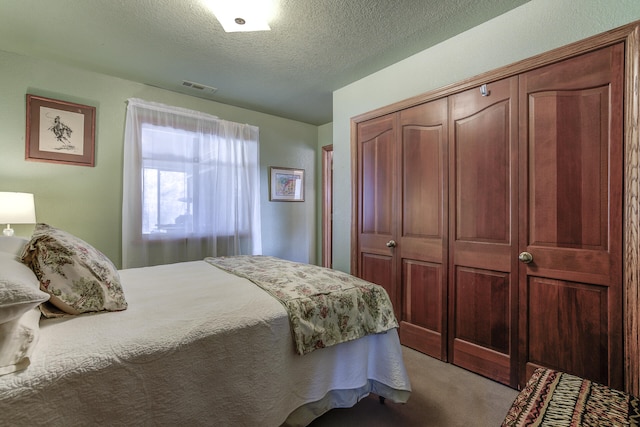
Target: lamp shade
x: 17, y: 208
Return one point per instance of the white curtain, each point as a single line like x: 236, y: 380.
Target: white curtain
x: 191, y: 186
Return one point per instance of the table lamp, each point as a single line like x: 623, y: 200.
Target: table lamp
x: 16, y: 208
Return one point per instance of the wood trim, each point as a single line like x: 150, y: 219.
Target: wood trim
x: 355, y: 185
x: 327, y: 205
x: 630, y: 34
x: 631, y: 271
x: 592, y: 43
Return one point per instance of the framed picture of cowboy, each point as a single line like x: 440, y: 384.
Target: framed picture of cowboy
x: 60, y: 131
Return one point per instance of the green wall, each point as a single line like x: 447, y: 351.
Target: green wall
x: 87, y: 201
x: 533, y: 28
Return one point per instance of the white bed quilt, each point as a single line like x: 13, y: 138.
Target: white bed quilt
x: 197, y: 346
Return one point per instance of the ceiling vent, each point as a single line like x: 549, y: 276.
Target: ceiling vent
x: 199, y: 86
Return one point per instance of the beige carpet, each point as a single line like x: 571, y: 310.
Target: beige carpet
x: 443, y: 395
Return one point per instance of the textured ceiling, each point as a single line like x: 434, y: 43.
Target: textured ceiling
x: 314, y: 48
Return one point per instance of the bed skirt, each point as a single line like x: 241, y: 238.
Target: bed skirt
x: 343, y: 399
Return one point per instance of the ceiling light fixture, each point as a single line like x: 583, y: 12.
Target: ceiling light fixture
x: 241, y: 15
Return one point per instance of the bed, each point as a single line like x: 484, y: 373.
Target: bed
x: 554, y: 398
x: 195, y: 344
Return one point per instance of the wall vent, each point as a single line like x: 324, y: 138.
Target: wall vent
x: 199, y: 86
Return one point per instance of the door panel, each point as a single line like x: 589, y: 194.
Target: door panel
x: 570, y: 199
x: 377, y: 179
x: 422, y: 326
x: 422, y: 239
x: 378, y: 269
x: 577, y: 314
x: 422, y: 155
x: 483, y: 308
x: 571, y: 217
x: 483, y: 230
x: 482, y: 166
x: 377, y: 192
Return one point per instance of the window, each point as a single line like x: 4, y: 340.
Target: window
x: 167, y: 180
x: 191, y: 186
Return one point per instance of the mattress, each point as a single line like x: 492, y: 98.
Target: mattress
x: 196, y: 346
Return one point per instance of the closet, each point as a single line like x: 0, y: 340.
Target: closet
x: 492, y: 213
x: 402, y: 160
x: 483, y: 231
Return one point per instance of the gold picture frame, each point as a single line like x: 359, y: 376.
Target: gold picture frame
x: 60, y: 131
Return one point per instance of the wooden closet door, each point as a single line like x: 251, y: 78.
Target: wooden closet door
x: 483, y: 199
x: 571, y: 217
x: 422, y: 235
x: 377, y: 205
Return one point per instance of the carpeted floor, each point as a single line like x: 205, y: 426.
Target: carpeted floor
x: 443, y: 395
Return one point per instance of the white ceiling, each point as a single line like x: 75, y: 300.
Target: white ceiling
x: 314, y: 48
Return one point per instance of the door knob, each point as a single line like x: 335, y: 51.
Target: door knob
x: 391, y: 244
x: 525, y: 257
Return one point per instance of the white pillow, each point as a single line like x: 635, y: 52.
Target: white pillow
x: 19, y: 288
x: 12, y: 244
x: 19, y: 316
x: 18, y: 338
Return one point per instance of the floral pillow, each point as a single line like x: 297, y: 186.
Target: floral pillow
x: 78, y: 277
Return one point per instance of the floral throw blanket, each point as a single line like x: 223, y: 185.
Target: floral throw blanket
x: 325, y: 306
x: 558, y: 399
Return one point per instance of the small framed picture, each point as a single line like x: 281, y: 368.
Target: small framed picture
x: 286, y: 184
x: 60, y: 131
